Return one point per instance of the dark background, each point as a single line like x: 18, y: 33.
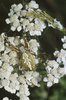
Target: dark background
x: 50, y: 40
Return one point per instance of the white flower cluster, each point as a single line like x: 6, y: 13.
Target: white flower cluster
x: 19, y: 20
x: 10, y: 79
x: 56, y: 69
x: 29, y: 78
x: 61, y: 55
x: 54, y: 73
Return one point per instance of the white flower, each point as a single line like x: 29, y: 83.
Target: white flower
x: 63, y: 39
x: 30, y: 27
x: 24, y: 90
x: 22, y: 79
x: 23, y: 97
x: 56, y: 80
x: 5, y: 58
x: 5, y: 98
x: 25, y: 23
x: 23, y: 13
x: 16, y: 23
x: 5, y: 71
x: 5, y: 82
x: 49, y: 84
x: 19, y: 28
x: 13, y: 28
x: 18, y: 7
x: 33, y: 4
x: 45, y: 79
x: 56, y: 53
x: 7, y: 21
x: 64, y: 42
x: 13, y: 18
x: 64, y: 45
x: 11, y: 40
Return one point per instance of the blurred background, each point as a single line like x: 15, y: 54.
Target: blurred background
x: 50, y: 40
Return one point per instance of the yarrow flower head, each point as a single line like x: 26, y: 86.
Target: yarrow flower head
x: 54, y: 73
x: 61, y: 55
x: 18, y: 56
x: 19, y: 19
x: 56, y: 68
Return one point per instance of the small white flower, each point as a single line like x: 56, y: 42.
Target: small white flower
x: 63, y: 39
x: 18, y: 7
x: 5, y: 98
x: 13, y: 18
x: 16, y: 23
x: 23, y: 13
x: 13, y: 6
x: 33, y: 4
x: 64, y: 45
x: 5, y: 82
x: 13, y: 28
x: 5, y: 58
x: 7, y: 21
x: 25, y: 23
x: 19, y: 28
x: 45, y: 79
x: 49, y: 84
x: 56, y: 80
